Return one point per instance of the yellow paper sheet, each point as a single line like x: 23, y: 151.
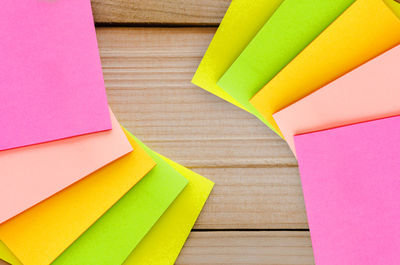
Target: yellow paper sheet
x: 42, y: 233
x: 241, y: 23
x: 162, y: 244
x: 365, y: 30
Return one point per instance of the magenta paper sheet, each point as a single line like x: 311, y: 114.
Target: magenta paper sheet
x: 51, y: 82
x: 351, y: 184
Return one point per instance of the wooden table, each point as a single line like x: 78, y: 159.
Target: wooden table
x: 150, y: 50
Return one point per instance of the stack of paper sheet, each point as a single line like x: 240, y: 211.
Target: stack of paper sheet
x: 76, y: 187
x: 314, y: 66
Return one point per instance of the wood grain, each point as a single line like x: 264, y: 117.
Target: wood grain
x: 171, y: 12
x: 247, y: 248
x: 147, y: 73
x: 253, y: 198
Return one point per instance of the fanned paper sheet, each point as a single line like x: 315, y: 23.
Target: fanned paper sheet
x: 365, y: 30
x: 32, y: 174
x: 288, y: 31
x: 369, y: 92
x: 115, y: 235
x: 39, y: 235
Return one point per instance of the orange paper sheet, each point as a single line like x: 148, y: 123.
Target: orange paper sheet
x: 365, y: 30
x: 39, y: 235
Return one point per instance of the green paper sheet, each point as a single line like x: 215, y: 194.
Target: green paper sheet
x: 241, y: 23
x: 289, y: 30
x: 114, y: 236
x: 163, y: 243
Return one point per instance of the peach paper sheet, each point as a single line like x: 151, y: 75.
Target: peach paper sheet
x: 32, y: 174
x: 369, y: 92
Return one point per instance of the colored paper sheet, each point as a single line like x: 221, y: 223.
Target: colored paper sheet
x: 165, y: 240
x: 2, y: 262
x: 365, y: 30
x: 394, y: 6
x: 31, y: 174
x: 51, y: 84
x: 39, y: 235
x: 7, y: 256
x: 289, y: 30
x: 114, y: 236
x: 229, y: 41
x: 350, y: 178
x: 176, y: 223
x: 367, y: 93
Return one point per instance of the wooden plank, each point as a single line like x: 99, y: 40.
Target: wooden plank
x: 247, y: 248
x: 253, y: 198
x: 171, y: 12
x: 147, y: 73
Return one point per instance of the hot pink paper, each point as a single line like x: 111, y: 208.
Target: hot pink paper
x: 369, y: 92
x: 31, y: 174
x: 51, y: 83
x: 351, y: 184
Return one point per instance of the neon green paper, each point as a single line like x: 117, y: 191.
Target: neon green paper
x: 162, y: 244
x: 114, y: 236
x: 241, y: 23
x: 289, y: 30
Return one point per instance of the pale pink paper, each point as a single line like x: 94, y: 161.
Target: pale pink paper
x: 31, y: 174
x: 351, y: 183
x: 51, y: 82
x: 369, y: 92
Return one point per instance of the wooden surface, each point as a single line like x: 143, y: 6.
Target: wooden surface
x: 247, y: 248
x: 148, y: 73
x: 255, y: 214
x: 172, y: 12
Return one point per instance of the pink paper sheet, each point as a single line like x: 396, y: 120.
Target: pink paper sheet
x: 51, y: 82
x: 369, y: 92
x: 31, y: 174
x: 351, y: 183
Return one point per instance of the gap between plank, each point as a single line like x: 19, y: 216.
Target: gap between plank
x: 251, y: 230
x: 152, y: 25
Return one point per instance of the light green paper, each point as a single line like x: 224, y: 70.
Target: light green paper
x: 240, y: 24
x: 163, y: 243
x: 289, y: 30
x: 114, y: 236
